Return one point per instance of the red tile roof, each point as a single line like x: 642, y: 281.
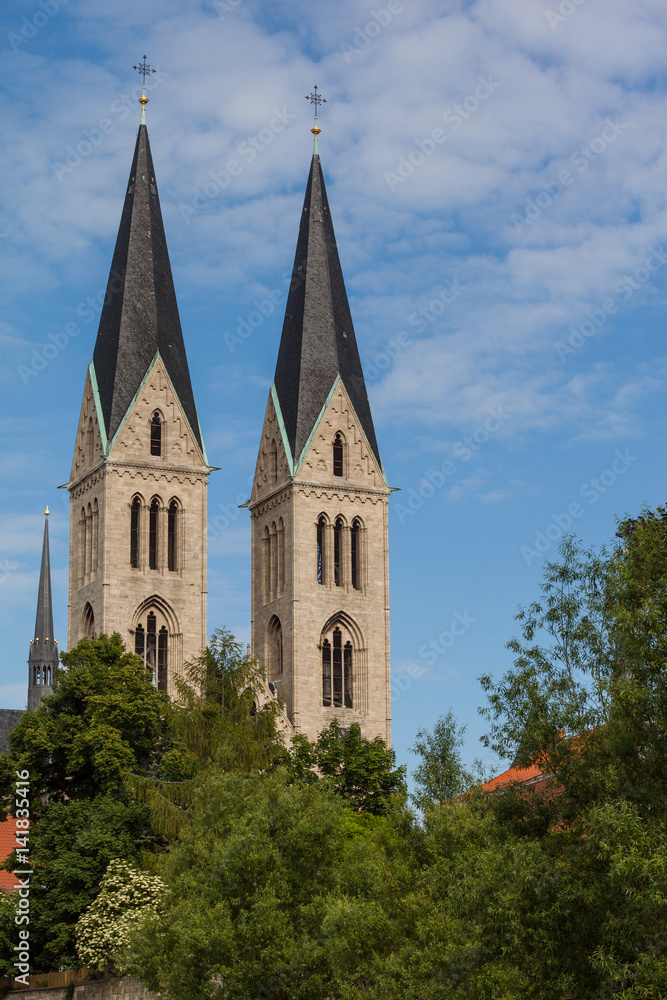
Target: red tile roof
x: 515, y: 775
x: 7, y: 845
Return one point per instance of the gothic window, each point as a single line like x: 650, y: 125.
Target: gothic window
x: 156, y: 434
x: 88, y: 622
x: 338, y: 455
x: 89, y: 540
x: 273, y: 463
x: 172, y: 536
x: 95, y: 524
x: 326, y: 673
x: 338, y: 658
x: 82, y: 545
x: 135, y: 524
x: 321, y: 531
x: 273, y: 561
x: 281, y: 556
x: 140, y: 641
x: 151, y: 644
x: 355, y: 553
x: 162, y: 659
x: 153, y: 533
x: 338, y: 546
x: 274, y: 648
x: 266, y: 567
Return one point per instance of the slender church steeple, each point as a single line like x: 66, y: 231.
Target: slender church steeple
x: 43, y: 658
x: 139, y: 476
x: 320, y: 597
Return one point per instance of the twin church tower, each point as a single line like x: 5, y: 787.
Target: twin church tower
x: 138, y: 484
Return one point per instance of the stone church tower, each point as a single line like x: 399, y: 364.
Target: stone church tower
x: 139, y: 475
x: 320, y: 580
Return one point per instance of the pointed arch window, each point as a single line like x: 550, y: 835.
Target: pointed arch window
x: 321, y: 532
x: 274, y: 648
x: 153, y: 533
x: 135, y: 524
x: 151, y: 644
x: 355, y: 554
x: 172, y: 537
x: 95, y: 527
x: 338, y: 548
x: 266, y: 564
x: 326, y: 673
x: 82, y: 546
x: 162, y: 641
x: 156, y: 434
x: 88, y: 622
x: 338, y: 448
x: 140, y: 641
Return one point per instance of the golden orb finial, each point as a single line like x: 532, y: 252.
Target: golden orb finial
x: 144, y: 69
x: 316, y: 99
x: 47, y: 511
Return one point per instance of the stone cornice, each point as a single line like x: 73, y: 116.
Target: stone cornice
x: 282, y: 493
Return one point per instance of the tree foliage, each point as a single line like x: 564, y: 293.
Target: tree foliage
x: 442, y: 775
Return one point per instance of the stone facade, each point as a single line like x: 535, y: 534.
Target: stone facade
x: 300, y: 598
x: 126, y: 567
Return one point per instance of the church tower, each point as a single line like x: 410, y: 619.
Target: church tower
x: 320, y: 579
x: 140, y: 473
x: 43, y: 658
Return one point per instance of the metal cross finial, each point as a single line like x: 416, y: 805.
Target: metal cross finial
x: 145, y: 70
x: 314, y: 98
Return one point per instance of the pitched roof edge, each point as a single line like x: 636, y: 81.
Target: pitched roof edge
x: 338, y: 380
x: 98, y: 407
x: 283, y: 430
x: 150, y: 368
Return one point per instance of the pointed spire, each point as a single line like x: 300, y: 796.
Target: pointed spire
x: 44, y: 619
x: 140, y: 313
x: 43, y: 658
x: 318, y: 341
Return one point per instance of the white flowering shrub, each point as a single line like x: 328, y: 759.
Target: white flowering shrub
x: 126, y: 896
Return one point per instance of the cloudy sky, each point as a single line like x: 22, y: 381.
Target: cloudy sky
x: 497, y: 176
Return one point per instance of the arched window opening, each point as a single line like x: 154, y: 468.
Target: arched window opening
x: 266, y: 558
x: 95, y: 526
x: 337, y: 668
x: 338, y: 455
x: 151, y: 644
x: 273, y: 463
x: 274, y: 648
x: 355, y: 538
x: 326, y: 673
x: 156, y: 434
x: 338, y: 545
x: 273, y: 561
x: 172, y: 536
x: 162, y: 659
x: 135, y: 521
x: 82, y: 545
x: 347, y: 674
x: 88, y: 622
x: 89, y: 540
x: 281, y: 556
x: 321, y: 529
x: 140, y: 641
x: 153, y: 519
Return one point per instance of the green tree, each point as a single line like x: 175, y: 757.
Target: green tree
x: 441, y: 775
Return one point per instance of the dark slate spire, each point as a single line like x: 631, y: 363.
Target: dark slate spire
x: 318, y: 341
x: 140, y: 314
x: 43, y: 658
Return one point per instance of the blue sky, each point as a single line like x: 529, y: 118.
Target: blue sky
x: 497, y: 175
